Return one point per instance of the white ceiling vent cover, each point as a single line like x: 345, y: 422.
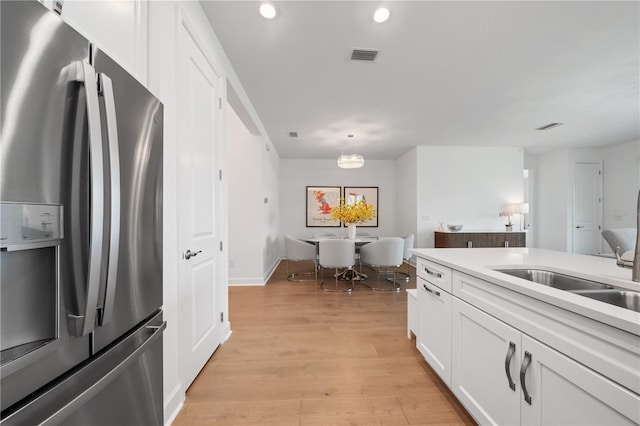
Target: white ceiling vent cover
x: 293, y: 134
x: 549, y: 126
x: 364, y: 54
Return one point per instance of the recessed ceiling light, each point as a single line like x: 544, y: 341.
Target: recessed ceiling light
x: 381, y: 15
x: 268, y: 10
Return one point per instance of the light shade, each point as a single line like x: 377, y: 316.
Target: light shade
x: 519, y: 208
x: 350, y: 161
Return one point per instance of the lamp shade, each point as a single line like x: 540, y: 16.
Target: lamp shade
x: 520, y: 208
x: 351, y: 161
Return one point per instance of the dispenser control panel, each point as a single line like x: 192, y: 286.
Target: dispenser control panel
x: 27, y: 225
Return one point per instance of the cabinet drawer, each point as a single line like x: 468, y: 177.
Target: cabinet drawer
x: 435, y: 274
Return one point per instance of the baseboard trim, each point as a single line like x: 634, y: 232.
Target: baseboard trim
x: 173, y: 404
x: 238, y: 282
x: 253, y: 281
x: 273, y: 269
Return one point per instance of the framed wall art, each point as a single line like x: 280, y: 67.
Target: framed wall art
x: 369, y: 194
x: 320, y: 201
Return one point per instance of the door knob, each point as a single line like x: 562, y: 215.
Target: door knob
x: 578, y: 227
x: 189, y: 254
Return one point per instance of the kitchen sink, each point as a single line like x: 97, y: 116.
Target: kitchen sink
x: 593, y: 290
x: 555, y: 279
x: 624, y: 299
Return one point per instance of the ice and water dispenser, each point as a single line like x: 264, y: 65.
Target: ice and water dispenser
x: 30, y: 236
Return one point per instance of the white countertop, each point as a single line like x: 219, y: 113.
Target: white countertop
x: 480, y: 262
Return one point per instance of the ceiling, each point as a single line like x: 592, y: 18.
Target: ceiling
x: 447, y: 74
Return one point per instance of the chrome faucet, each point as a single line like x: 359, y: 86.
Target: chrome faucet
x: 624, y: 260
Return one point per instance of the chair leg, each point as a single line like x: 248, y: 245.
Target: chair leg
x: 337, y: 289
x: 394, y: 285
x: 406, y: 276
x: 293, y: 276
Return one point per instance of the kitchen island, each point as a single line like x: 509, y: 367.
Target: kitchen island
x: 515, y: 351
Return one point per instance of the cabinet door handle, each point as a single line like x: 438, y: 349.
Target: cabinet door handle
x: 523, y: 373
x: 437, y: 293
x: 507, y: 365
x: 430, y: 272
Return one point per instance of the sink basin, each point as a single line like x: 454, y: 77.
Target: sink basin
x: 624, y: 299
x: 591, y: 289
x: 555, y: 279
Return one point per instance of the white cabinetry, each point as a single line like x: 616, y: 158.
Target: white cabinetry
x: 119, y: 28
x: 483, y: 347
x: 513, y: 359
x: 434, y: 333
x: 563, y: 391
x: 505, y: 377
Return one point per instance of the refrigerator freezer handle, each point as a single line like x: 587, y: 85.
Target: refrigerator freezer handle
x: 85, y: 396
x: 88, y: 77
x: 106, y: 90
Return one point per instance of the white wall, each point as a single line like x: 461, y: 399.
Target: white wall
x: 554, y: 207
x: 244, y: 177
x: 253, y: 170
x: 466, y: 185
x: 296, y: 175
x: 553, y: 200
x: 406, y: 193
x: 621, y: 184
x: 162, y: 75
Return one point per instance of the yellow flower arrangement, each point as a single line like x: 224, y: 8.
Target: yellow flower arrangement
x: 357, y: 212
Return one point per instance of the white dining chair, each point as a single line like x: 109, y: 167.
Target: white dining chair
x: 300, y: 251
x: 407, y: 255
x: 382, y: 255
x: 338, y: 254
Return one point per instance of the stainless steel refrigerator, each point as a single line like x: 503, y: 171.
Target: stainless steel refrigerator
x: 81, y: 230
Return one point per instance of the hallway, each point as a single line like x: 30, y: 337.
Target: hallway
x: 299, y: 356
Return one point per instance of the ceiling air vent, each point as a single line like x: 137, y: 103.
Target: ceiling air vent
x: 364, y: 54
x: 549, y: 126
x: 293, y: 134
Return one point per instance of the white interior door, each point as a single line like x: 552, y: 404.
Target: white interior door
x: 200, y: 208
x: 587, y: 199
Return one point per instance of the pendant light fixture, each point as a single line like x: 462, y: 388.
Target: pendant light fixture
x: 350, y: 161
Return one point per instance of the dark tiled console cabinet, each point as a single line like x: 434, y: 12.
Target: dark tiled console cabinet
x: 480, y: 239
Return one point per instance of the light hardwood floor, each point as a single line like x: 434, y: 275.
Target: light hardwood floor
x: 299, y: 356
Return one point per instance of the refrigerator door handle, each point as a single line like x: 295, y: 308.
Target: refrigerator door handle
x: 89, y: 79
x: 106, y: 90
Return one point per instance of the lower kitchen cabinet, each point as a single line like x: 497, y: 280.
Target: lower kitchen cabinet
x: 503, y: 376
x: 434, y: 331
x: 485, y: 361
x: 563, y: 391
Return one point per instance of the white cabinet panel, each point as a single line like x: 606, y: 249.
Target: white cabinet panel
x: 434, y: 334
x: 481, y: 347
x: 565, y: 392
x: 118, y: 28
